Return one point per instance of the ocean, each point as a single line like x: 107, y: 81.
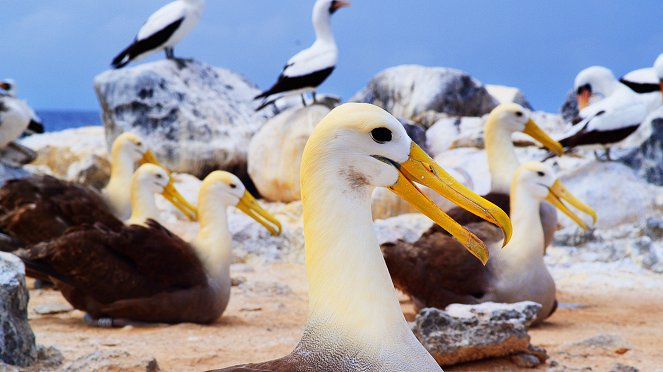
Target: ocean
x: 56, y: 120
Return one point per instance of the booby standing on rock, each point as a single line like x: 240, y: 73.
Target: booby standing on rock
x: 162, y: 31
x: 144, y: 273
x: 15, y: 115
x: 435, y: 271
x: 307, y: 69
x: 502, y: 122
x: 355, y: 322
x: 646, y: 80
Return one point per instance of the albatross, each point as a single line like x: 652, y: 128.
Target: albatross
x: 164, y: 29
x: 355, y: 322
x: 435, y: 271
x: 309, y: 68
x: 143, y: 273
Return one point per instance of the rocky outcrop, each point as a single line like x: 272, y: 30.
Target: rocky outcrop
x: 275, y: 153
x: 17, y: 342
x: 197, y: 119
x: 569, y: 109
x: 504, y: 94
x: 647, y: 160
x: 411, y: 90
x: 114, y: 360
x: 464, y: 333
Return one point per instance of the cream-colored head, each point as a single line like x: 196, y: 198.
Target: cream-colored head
x: 129, y: 145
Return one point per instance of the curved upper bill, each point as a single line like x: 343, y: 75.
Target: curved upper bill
x: 558, y: 193
x: 250, y: 206
x: 533, y: 130
x: 175, y: 198
x: 148, y: 157
x: 420, y: 168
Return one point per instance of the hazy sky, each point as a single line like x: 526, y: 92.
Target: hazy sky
x: 53, y: 49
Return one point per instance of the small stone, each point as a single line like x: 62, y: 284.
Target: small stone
x: 654, y: 228
x: 619, y: 367
x: 604, y: 344
x: 113, y: 360
x: 525, y: 360
x: 50, y: 309
x: 237, y: 280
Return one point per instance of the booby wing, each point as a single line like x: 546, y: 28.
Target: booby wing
x: 643, y: 80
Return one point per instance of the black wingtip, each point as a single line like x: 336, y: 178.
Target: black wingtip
x: 36, y: 127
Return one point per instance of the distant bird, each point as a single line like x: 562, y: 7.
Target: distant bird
x: 610, y: 111
x: 21, y: 113
x: 503, y: 162
x: 143, y: 272
x: 436, y: 271
x: 355, y: 322
x: 646, y: 80
x: 162, y: 31
x: 307, y: 69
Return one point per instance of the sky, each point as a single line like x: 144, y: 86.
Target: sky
x: 53, y: 49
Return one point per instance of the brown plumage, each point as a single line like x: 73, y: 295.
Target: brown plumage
x: 141, y: 273
x: 40, y: 208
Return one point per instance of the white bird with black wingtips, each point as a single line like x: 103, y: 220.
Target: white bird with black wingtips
x: 309, y: 68
x: 163, y: 30
x: 9, y: 98
x: 646, y: 80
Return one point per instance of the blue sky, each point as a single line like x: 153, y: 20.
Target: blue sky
x: 53, y: 49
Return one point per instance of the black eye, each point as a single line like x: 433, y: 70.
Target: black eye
x: 139, y: 143
x: 519, y: 114
x: 159, y: 176
x: 233, y: 186
x: 541, y: 174
x: 381, y: 135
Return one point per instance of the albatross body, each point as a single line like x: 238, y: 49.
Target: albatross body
x: 436, y: 272
x: 355, y: 321
x: 162, y: 31
x: 143, y: 272
x: 309, y: 68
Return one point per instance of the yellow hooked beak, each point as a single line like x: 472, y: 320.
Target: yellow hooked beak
x: 149, y: 158
x: 583, y: 99
x: 420, y: 168
x: 250, y: 206
x: 558, y: 193
x: 175, y: 198
x: 534, y: 131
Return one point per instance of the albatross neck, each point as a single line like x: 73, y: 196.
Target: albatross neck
x: 213, y: 242
x: 526, y: 245
x: 502, y: 159
x: 350, y: 290
x: 143, y: 205
x: 115, y: 193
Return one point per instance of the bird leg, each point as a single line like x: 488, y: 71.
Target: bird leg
x: 303, y: 100
x: 606, y: 155
x: 170, y: 53
x: 314, y: 97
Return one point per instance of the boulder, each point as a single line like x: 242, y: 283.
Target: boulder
x: 17, y: 342
x: 411, y: 90
x: 78, y: 155
x: 464, y: 333
x: 504, y: 94
x: 8, y: 172
x: 275, y: 153
x: 113, y: 360
x: 647, y: 160
x: 569, y: 109
x: 196, y: 119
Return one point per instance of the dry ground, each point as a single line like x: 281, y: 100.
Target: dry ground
x: 267, y: 312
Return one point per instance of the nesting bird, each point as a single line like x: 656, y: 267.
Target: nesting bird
x: 355, y: 321
x: 646, y: 80
x: 309, y: 68
x: 164, y: 29
x: 435, y: 271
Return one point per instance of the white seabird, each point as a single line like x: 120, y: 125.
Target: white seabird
x: 307, y: 69
x: 646, y: 80
x: 17, y: 113
x: 163, y: 30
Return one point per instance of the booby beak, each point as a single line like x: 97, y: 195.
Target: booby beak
x: 533, y: 130
x: 558, y: 193
x: 336, y: 5
x: 148, y: 157
x: 583, y: 98
x: 176, y: 199
x: 250, y: 206
x: 420, y: 168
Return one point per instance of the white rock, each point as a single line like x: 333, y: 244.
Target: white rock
x: 275, y: 153
x: 505, y: 94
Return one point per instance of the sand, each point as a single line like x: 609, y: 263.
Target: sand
x: 268, y: 310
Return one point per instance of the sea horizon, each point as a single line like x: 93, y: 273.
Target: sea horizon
x: 59, y: 119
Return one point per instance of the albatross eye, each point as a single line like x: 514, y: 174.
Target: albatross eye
x: 541, y: 174
x: 519, y: 114
x: 233, y: 186
x: 381, y: 135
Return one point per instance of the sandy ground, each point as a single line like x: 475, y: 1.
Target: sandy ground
x: 267, y: 313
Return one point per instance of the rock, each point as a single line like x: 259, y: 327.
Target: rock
x: 410, y: 90
x: 8, y: 172
x: 525, y: 360
x: 407, y: 227
x: 569, y: 109
x: 113, y: 360
x: 196, y: 119
x: 464, y: 333
x: 601, y: 344
x: 654, y: 228
x: 275, y: 153
x: 78, y: 155
x: 16, y: 155
x: 17, y: 342
x: 504, y: 94
x: 417, y: 133
x: 50, y: 309
x: 619, y: 367
x: 647, y: 160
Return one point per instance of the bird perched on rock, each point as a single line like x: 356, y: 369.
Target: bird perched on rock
x: 435, y: 271
x: 164, y: 29
x: 309, y: 68
x: 355, y: 322
x: 18, y: 116
x: 646, y: 80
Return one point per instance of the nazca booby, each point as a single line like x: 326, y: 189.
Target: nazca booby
x: 355, y: 321
x: 15, y: 115
x: 40, y: 208
x: 646, y: 80
x: 436, y: 272
x: 143, y: 272
x: 164, y: 29
x: 309, y: 68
